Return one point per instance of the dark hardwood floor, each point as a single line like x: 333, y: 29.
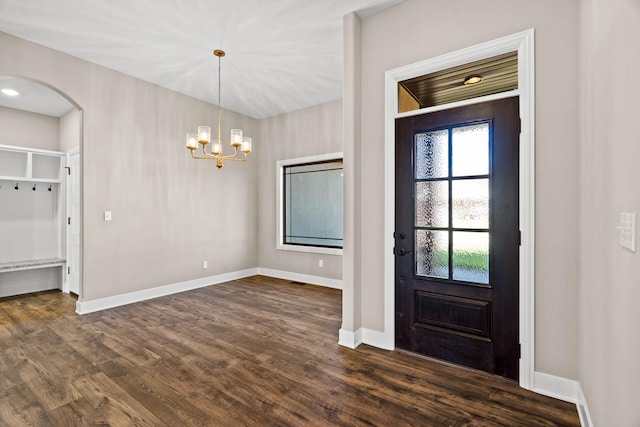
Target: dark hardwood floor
x: 257, y: 351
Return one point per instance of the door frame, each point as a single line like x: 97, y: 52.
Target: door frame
x: 523, y: 43
x: 72, y: 152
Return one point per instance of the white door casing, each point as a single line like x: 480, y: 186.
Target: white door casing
x: 73, y: 229
x: 523, y: 43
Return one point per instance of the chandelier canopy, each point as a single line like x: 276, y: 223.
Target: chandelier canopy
x: 203, y: 136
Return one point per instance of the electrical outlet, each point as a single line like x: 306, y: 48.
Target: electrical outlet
x: 627, y: 229
x: 205, y: 264
x: 107, y: 215
x: 320, y: 263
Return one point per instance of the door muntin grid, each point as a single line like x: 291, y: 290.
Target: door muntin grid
x: 452, y: 182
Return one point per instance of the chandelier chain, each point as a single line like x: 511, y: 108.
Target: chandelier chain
x: 219, y: 83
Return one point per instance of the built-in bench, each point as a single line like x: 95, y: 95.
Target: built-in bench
x: 30, y: 264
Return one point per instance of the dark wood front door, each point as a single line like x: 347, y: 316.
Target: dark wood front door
x: 457, y: 237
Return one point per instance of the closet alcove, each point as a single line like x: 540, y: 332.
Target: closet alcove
x: 39, y: 129
x: 31, y: 220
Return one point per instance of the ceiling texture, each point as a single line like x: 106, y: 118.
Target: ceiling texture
x: 281, y: 55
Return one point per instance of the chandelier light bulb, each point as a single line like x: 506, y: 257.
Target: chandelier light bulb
x: 192, y: 141
x: 246, y: 144
x: 204, y: 135
x: 236, y: 137
x: 216, y: 147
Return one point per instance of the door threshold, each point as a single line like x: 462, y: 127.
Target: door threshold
x: 455, y: 365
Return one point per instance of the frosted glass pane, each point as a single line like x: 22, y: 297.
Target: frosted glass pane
x: 471, y: 256
x: 470, y: 203
x: 432, y: 253
x: 313, y: 204
x: 432, y: 154
x: 470, y: 150
x: 432, y: 204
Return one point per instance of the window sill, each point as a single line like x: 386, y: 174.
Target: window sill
x: 310, y: 249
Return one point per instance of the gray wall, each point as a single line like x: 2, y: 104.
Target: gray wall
x: 169, y: 212
x: 26, y: 129
x: 70, y: 130
x: 609, y: 154
x: 392, y: 39
x: 308, y: 132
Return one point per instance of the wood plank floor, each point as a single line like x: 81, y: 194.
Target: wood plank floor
x: 257, y: 351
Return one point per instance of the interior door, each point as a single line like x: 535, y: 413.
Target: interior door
x: 457, y: 237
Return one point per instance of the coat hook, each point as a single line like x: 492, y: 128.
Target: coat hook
x: 49, y: 188
x: 17, y: 187
x: 34, y: 187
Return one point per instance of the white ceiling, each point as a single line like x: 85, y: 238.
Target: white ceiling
x: 282, y: 55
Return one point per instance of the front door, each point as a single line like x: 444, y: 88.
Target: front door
x: 457, y: 238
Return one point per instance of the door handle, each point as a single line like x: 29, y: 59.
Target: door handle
x: 401, y: 251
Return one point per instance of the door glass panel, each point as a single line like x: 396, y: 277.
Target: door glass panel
x: 470, y: 203
x: 432, y: 154
x: 452, y: 203
x: 432, y: 204
x: 432, y: 253
x: 470, y: 150
x: 471, y: 256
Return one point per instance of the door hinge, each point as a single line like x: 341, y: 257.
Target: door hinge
x: 519, y: 238
x: 519, y: 125
x: 68, y: 270
x: 519, y: 351
x: 69, y: 220
x: 68, y: 168
x: 399, y: 235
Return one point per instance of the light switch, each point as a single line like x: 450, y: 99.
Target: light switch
x: 107, y: 215
x: 627, y: 229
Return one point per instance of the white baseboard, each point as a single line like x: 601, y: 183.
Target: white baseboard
x: 85, y: 307
x: 377, y: 339
x: 365, y: 336
x: 556, y: 387
x: 583, y: 409
x: 350, y: 339
x: 304, y: 278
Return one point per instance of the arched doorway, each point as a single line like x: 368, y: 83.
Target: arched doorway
x: 41, y: 132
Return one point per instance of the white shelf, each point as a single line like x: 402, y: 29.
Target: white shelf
x: 22, y: 179
x: 30, y: 165
x: 31, y: 264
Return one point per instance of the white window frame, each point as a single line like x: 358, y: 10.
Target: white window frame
x: 280, y: 165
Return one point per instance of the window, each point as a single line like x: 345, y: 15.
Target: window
x: 452, y: 203
x: 310, y: 204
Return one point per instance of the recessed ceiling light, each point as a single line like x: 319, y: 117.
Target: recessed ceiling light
x: 476, y: 78
x: 10, y: 92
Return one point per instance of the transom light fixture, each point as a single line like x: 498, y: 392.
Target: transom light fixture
x: 471, y: 80
x: 203, y: 136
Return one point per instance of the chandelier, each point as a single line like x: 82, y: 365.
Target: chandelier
x: 203, y: 136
